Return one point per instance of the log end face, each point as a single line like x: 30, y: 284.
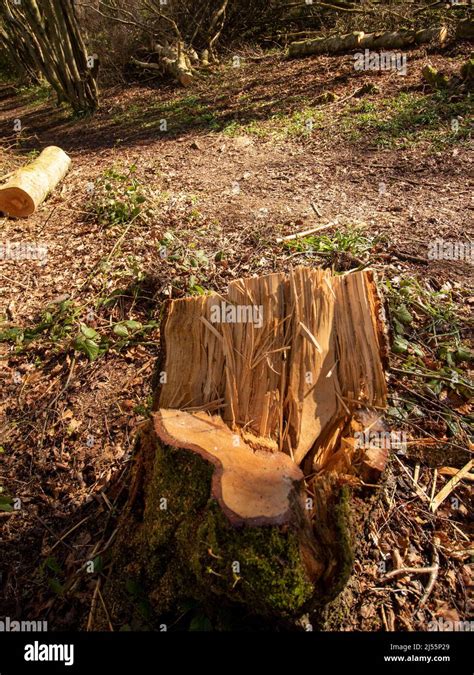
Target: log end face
x: 15, y: 202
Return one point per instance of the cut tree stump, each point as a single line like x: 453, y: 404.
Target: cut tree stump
x: 242, y: 488
x: 29, y: 186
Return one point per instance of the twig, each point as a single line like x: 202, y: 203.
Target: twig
x: 419, y: 491
x: 316, y: 210
x: 433, y: 574
x: 66, y: 534
x: 93, y: 606
x: 105, y: 610
x: 410, y: 570
x: 450, y: 486
x: 305, y: 233
x: 430, y: 376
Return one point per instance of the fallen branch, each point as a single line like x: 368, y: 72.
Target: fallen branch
x: 451, y: 471
x: 410, y: 570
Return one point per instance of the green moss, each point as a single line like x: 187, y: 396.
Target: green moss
x: 342, y: 517
x: 259, y: 567
x: 256, y: 566
x: 180, y: 547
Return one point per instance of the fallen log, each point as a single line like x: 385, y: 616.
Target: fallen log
x: 403, y: 39
x: 382, y: 40
x: 239, y: 497
x: 325, y: 45
x: 29, y: 186
x: 173, y: 61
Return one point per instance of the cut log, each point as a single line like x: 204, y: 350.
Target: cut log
x: 325, y: 45
x: 404, y: 38
x: 351, y: 41
x: 29, y: 186
x: 251, y: 486
x: 173, y: 61
x: 240, y: 493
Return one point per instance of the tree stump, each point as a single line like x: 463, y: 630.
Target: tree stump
x: 241, y: 494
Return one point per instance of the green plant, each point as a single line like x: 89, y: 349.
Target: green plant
x: 5, y: 501
x: 351, y: 239
x: 187, y: 259
x: 428, y: 325
x: 61, y: 327
x: 118, y: 198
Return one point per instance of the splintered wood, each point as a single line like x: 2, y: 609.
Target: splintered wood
x: 282, y: 362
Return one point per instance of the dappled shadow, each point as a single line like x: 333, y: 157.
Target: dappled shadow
x: 253, y: 93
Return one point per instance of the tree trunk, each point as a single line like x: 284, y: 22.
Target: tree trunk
x: 46, y: 34
x: 356, y: 40
x: 29, y: 186
x: 241, y: 491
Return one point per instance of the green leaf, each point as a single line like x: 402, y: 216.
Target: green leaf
x: 120, y: 330
x: 133, y: 325
x: 56, y: 586
x: 200, y: 623
x: 88, y: 347
x: 8, y: 508
x: 88, y: 332
x: 403, y: 315
x: 463, y: 354
x: 52, y: 564
x: 417, y: 349
x: 400, y: 345
x: 98, y: 564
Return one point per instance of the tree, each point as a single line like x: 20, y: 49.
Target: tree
x: 45, y: 38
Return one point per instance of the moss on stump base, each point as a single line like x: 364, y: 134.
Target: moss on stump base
x: 175, y: 545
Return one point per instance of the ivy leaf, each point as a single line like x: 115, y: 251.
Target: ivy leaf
x: 403, y: 315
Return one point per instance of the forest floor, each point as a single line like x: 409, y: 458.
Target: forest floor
x: 174, y: 191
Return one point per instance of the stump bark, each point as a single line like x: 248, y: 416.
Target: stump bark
x: 242, y: 481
